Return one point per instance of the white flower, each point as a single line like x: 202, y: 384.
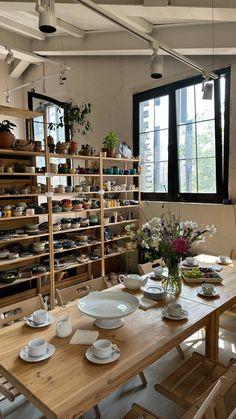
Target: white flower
x: 212, y: 230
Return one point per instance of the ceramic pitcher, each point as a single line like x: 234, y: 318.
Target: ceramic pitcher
x: 64, y: 327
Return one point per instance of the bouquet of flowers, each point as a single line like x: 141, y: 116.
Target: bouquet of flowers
x: 172, y: 239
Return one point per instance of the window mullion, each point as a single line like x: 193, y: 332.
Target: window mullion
x: 173, y: 177
x: 218, y: 137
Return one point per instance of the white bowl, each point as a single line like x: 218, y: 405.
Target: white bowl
x: 108, y: 307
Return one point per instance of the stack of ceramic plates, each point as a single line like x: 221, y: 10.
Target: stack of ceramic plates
x: 154, y: 292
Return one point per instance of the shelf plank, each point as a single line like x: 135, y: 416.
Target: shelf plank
x: 127, y: 236
x: 76, y: 211
x: 122, y: 222
x: 22, y: 152
x: 123, y: 190
x: 134, y: 160
x: 119, y: 253
x: 73, y: 156
x: 76, y: 229
x: 121, y: 207
x: 22, y: 113
x: 77, y: 247
x: 78, y: 194
x: 75, y: 174
x: 16, y: 239
x: 21, y: 217
x: 10, y: 262
x: 20, y: 280
x: 22, y: 174
x: 105, y: 175
x: 20, y: 195
x: 76, y: 265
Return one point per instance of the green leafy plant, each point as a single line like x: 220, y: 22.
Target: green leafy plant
x: 75, y: 118
x: 111, y: 140
x: 6, y: 126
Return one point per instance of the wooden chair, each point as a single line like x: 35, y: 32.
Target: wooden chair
x: 147, y: 268
x: 191, y: 379
x: 8, y: 315
x: 64, y: 295
x: 210, y: 405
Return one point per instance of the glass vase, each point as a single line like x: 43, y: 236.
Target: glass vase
x: 173, y: 282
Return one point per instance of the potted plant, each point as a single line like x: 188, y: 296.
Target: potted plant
x: 75, y: 119
x: 6, y: 136
x: 110, y: 142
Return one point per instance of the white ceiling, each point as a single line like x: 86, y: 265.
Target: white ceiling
x: 184, y: 25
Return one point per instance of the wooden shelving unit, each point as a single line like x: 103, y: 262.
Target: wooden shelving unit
x: 94, y: 268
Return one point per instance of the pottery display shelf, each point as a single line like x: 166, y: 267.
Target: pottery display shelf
x: 8, y: 180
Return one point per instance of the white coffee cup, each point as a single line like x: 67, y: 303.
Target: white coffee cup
x: 36, y: 347
x: 158, y: 271
x: 40, y: 316
x: 208, y: 288
x: 174, y: 309
x: 103, y: 348
x: 223, y: 259
x: 190, y: 260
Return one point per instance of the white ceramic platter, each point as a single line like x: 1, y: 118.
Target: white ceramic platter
x: 91, y: 357
x: 26, y: 357
x: 183, y: 315
x: 108, y: 307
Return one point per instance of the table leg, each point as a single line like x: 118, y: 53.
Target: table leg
x: 212, y: 336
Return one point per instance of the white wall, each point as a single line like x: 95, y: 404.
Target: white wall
x: 16, y: 98
x: 109, y: 83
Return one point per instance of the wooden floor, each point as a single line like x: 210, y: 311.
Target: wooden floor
x: 116, y: 405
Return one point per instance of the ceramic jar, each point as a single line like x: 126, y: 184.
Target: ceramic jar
x: 64, y: 328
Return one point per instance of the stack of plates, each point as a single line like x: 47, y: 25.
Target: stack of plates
x: 154, y: 292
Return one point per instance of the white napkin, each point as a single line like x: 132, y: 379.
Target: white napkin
x: 146, y: 303
x: 84, y: 337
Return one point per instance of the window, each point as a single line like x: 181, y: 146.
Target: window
x: 40, y: 103
x: 183, y: 140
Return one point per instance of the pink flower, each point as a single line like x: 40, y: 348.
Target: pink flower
x: 180, y: 245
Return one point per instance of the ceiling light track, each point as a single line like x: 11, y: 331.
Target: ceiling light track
x: 145, y: 37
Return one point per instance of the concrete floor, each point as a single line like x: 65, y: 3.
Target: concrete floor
x: 118, y: 403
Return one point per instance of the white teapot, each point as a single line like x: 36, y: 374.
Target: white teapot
x: 133, y: 281
x: 64, y: 327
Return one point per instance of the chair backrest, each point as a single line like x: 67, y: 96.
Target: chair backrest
x: 147, y: 268
x: 233, y: 254
x: 18, y: 311
x: 211, y: 404
x: 65, y: 295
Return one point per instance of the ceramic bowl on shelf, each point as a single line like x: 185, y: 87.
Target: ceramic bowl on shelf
x: 4, y: 254
x: 108, y: 308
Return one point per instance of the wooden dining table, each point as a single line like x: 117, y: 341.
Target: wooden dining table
x: 67, y: 384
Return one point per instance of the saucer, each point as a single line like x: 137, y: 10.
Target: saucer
x: 26, y: 357
x: 31, y: 322
x: 182, y: 316
x: 186, y: 265
x: 216, y: 293
x: 91, y: 357
x: 229, y: 261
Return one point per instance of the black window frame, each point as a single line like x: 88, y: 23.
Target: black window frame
x: 222, y: 176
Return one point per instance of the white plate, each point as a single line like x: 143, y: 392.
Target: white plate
x: 108, y: 308
x: 155, y: 292
x: 125, y: 150
x: 26, y: 357
x: 224, y: 263
x: 186, y: 265
x: 91, y: 357
x: 214, y: 294
x: 31, y: 322
x: 183, y: 316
